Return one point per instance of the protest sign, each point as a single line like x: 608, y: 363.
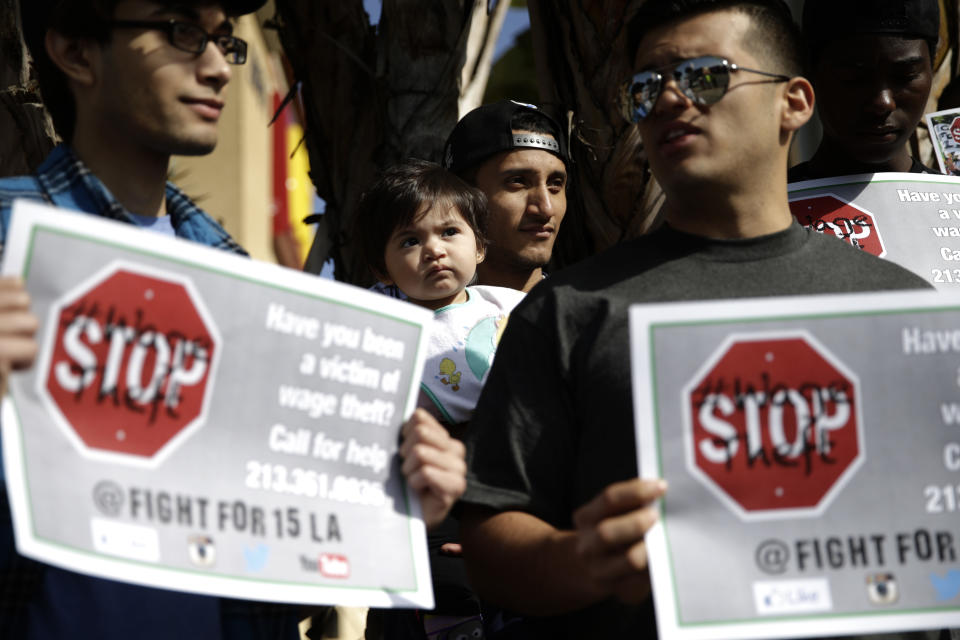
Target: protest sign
x: 908, y: 218
x: 812, y: 450
x: 944, y: 129
x: 203, y: 422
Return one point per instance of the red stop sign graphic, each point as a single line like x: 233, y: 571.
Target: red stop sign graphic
x: 130, y: 367
x: 830, y: 215
x: 955, y: 129
x: 774, y: 425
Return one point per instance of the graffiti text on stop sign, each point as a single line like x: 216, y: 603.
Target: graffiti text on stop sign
x: 810, y: 410
x: 842, y: 227
x: 118, y: 353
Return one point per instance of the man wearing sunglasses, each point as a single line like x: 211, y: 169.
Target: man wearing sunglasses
x: 871, y: 65
x: 554, y: 515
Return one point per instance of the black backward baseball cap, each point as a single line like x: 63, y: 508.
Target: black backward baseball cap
x: 828, y: 20
x: 488, y: 130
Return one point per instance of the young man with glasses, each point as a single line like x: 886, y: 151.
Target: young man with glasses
x: 130, y: 83
x: 554, y: 515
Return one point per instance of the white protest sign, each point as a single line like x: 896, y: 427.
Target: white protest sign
x: 203, y: 422
x: 908, y: 218
x: 812, y: 450
x: 944, y: 129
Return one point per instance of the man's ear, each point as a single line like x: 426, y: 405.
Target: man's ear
x: 798, y: 100
x: 76, y: 57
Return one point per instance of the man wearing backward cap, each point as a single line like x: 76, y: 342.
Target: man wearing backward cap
x: 517, y: 155
x: 555, y: 515
x: 871, y: 66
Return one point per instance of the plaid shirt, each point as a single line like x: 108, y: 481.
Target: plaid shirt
x: 64, y: 181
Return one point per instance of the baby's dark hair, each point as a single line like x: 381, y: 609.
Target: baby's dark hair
x: 399, y: 195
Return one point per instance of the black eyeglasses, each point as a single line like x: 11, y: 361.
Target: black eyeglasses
x: 190, y: 37
x: 704, y: 80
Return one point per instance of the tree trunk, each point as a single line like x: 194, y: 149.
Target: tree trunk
x: 581, y: 57
x: 376, y: 96
x: 26, y: 133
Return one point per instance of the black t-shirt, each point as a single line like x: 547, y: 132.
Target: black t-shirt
x: 554, y: 424
x: 803, y: 171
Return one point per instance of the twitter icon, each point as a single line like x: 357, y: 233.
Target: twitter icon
x: 256, y: 557
x: 947, y: 587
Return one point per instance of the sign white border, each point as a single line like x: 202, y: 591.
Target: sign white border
x: 27, y: 217
x: 642, y: 319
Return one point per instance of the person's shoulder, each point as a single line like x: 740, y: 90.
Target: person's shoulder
x: 918, y: 167
x: 503, y: 298
x: 806, y: 171
x: 593, y: 282
x: 615, y: 265
x: 193, y: 223
x: 14, y: 187
x: 26, y: 185
x: 56, y: 170
x: 861, y: 270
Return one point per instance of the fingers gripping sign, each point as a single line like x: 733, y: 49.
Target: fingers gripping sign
x: 610, y: 536
x: 433, y: 465
x: 18, y: 326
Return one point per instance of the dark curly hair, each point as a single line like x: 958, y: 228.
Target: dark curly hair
x: 398, y: 198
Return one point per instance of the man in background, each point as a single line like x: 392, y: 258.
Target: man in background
x: 871, y: 65
x: 516, y: 154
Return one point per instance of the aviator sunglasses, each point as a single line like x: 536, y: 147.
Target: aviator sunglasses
x: 704, y: 80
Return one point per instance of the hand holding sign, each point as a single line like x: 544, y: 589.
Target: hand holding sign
x: 433, y: 464
x: 611, y: 529
x: 18, y: 349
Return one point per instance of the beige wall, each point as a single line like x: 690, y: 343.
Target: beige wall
x: 234, y: 183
